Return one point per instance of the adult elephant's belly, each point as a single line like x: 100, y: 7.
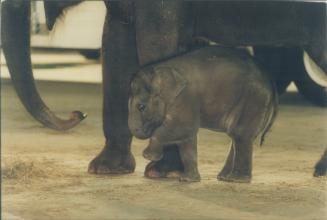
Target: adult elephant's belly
x: 259, y: 23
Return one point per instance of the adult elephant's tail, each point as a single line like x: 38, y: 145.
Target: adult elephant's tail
x: 15, y: 36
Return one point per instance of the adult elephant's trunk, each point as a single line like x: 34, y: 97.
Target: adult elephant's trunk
x: 15, y: 35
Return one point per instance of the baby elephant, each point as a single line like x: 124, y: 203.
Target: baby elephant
x: 217, y: 88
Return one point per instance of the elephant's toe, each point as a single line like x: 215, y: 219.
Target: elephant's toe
x: 110, y: 163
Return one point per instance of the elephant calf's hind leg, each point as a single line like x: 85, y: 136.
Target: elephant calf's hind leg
x: 241, y: 167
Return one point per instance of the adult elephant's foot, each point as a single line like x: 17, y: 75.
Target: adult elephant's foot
x: 321, y: 166
x: 112, y: 162
x: 170, y: 166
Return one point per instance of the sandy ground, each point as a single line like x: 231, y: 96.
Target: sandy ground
x: 44, y: 172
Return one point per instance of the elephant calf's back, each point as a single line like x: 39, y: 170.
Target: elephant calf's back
x: 227, y: 82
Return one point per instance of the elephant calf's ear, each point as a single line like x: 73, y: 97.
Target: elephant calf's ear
x: 168, y: 83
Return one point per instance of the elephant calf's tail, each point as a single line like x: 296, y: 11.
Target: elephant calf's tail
x: 271, y: 116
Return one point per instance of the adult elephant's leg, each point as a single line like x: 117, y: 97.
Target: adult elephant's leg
x: 163, y: 29
x: 119, y: 63
x: 321, y: 166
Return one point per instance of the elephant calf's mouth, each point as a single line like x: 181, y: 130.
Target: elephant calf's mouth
x: 145, y: 131
x: 141, y: 134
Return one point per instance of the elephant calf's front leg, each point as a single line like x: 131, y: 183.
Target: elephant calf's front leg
x: 189, y: 156
x: 154, y: 151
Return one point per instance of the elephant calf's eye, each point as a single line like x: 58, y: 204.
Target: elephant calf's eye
x: 141, y: 107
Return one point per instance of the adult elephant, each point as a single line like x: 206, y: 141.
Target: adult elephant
x: 137, y: 33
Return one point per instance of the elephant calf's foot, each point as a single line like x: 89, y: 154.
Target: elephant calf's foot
x: 155, y: 169
x: 194, y: 177
x: 236, y: 177
x: 112, y: 162
x: 170, y: 166
x: 152, y: 154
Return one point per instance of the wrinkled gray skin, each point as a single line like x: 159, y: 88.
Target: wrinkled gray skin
x: 217, y: 88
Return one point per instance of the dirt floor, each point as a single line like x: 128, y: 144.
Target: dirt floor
x: 44, y: 172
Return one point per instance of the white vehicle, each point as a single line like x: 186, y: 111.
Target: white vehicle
x: 80, y: 29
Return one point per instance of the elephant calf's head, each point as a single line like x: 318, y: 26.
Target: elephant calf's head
x: 152, y: 91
